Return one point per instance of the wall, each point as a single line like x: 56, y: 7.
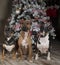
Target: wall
x: 5, y: 9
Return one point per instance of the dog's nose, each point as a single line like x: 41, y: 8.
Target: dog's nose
x: 24, y: 28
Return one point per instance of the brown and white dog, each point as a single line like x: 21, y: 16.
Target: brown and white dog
x: 25, y: 40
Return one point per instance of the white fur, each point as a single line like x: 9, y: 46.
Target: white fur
x: 36, y: 57
x: 24, y: 43
x: 48, y: 56
x: 8, y: 47
x: 43, y: 47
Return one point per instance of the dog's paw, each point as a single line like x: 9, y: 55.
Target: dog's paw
x: 48, y: 57
x: 3, y: 58
x: 14, y: 58
x: 36, y: 57
x: 30, y: 61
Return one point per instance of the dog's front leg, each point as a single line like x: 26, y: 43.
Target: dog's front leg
x: 21, y: 53
x: 14, y: 54
x: 30, y: 52
x: 3, y: 53
x: 48, y: 56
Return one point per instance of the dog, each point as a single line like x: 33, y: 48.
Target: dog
x: 42, y: 43
x: 9, y: 45
x: 25, y: 40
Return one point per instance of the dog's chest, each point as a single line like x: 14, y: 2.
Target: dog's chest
x: 43, y: 47
x: 9, y: 48
x: 24, y: 41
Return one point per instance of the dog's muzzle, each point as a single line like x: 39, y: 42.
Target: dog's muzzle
x: 24, y: 28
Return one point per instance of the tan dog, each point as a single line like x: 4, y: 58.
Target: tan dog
x: 25, y: 41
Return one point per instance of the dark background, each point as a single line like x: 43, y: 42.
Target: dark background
x: 5, y: 10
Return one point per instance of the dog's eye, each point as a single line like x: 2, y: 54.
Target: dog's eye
x: 28, y: 23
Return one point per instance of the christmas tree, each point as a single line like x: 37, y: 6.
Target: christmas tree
x: 33, y: 10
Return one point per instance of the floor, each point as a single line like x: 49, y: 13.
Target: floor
x: 55, y: 58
